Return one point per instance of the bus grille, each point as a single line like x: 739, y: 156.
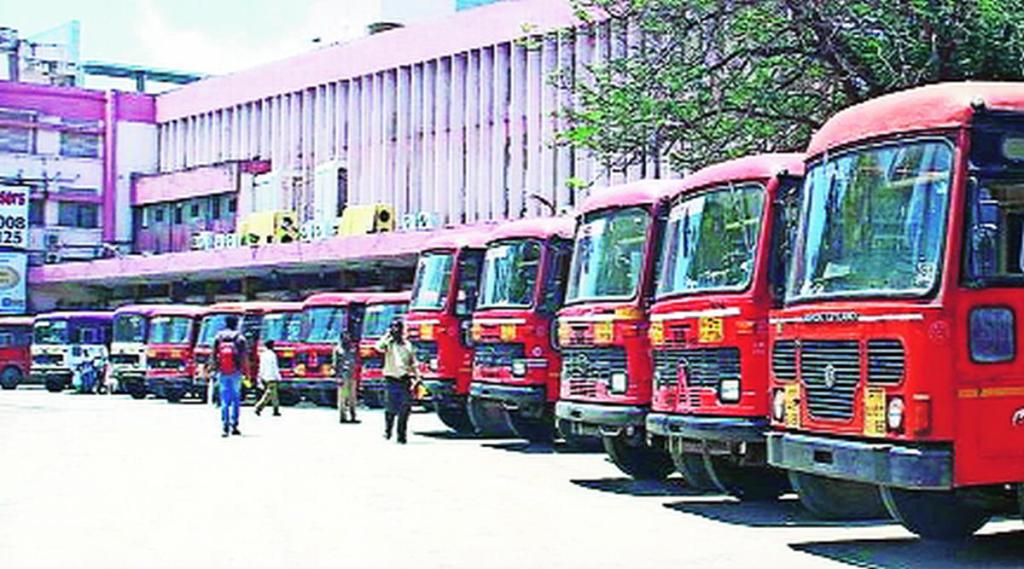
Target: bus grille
x: 584, y: 368
x: 784, y: 359
x: 886, y: 361
x: 425, y: 350
x: 704, y: 367
x: 830, y: 371
x: 498, y: 355
x: 373, y: 362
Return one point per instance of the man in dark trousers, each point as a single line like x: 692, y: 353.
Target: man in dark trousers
x: 401, y: 377
x: 229, y: 360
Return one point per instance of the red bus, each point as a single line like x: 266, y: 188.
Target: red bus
x: 721, y: 272
x: 250, y: 315
x: 283, y: 324
x: 381, y: 309
x: 325, y: 318
x: 438, y: 322
x: 15, y: 350
x: 895, y: 369
x: 516, y: 366
x: 173, y: 330
x: 602, y: 330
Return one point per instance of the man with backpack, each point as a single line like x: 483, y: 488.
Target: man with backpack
x: 229, y: 357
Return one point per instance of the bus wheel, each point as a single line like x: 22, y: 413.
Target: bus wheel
x: 288, y: 398
x: 327, y: 398
x: 488, y: 418
x: 136, y: 391
x: 54, y: 386
x: 637, y: 459
x: 935, y: 515
x: 173, y: 394
x: 455, y: 418
x: 539, y: 430
x: 10, y: 377
x: 373, y: 399
x: 831, y: 499
x: 754, y: 483
x: 691, y: 466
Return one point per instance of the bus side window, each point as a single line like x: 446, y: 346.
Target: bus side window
x: 556, y: 277
x: 470, y: 263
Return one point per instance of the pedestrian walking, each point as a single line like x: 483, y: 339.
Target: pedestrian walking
x: 270, y: 377
x: 345, y: 373
x: 229, y: 361
x: 401, y: 377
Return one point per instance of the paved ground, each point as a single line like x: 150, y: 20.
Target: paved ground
x: 92, y: 481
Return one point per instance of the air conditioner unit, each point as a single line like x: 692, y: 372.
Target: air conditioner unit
x: 407, y: 222
x: 360, y: 219
x: 427, y: 220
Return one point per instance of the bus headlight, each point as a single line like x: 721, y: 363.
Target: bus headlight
x: 433, y: 364
x: 729, y: 391
x: 779, y: 406
x: 992, y: 335
x: 519, y: 368
x: 619, y: 382
x: 894, y: 414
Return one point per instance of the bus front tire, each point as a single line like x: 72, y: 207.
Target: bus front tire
x: 833, y: 499
x: 637, y: 459
x: 934, y: 515
x: 753, y: 483
x: 455, y: 418
x: 11, y: 377
x: 695, y: 473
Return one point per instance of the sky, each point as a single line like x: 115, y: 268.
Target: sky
x: 206, y: 36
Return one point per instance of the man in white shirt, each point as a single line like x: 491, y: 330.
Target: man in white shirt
x: 270, y: 377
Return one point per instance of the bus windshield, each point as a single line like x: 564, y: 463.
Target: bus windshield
x: 609, y: 255
x: 130, y: 328
x: 378, y: 317
x: 212, y: 325
x: 170, y: 330
x: 50, y: 332
x: 433, y: 277
x: 711, y: 241
x: 510, y: 274
x: 282, y: 327
x: 872, y: 222
x: 324, y: 324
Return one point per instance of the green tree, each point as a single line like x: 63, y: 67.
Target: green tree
x: 699, y: 81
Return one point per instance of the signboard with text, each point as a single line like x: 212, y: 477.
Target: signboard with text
x: 13, y: 280
x: 13, y: 217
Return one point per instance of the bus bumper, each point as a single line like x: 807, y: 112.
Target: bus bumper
x: 524, y: 400
x: 880, y: 463
x: 597, y: 420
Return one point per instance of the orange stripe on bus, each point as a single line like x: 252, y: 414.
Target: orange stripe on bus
x: 991, y: 392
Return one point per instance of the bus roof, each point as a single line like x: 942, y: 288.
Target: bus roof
x: 141, y: 309
x: 253, y: 307
x: 754, y: 167
x: 76, y: 315
x: 388, y: 297
x: 535, y: 227
x: 16, y: 320
x: 472, y: 236
x: 335, y: 299
x: 643, y: 192
x: 939, y: 106
x: 189, y: 310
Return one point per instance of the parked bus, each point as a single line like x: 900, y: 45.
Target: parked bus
x: 721, y: 272
x: 606, y: 352
x: 250, y: 315
x: 381, y: 310
x: 283, y: 324
x: 170, y: 364
x: 895, y: 369
x: 70, y: 349
x: 438, y: 322
x: 128, y: 348
x: 516, y: 367
x: 15, y: 350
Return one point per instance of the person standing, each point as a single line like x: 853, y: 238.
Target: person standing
x: 228, y: 360
x: 270, y: 377
x: 345, y: 373
x: 401, y: 377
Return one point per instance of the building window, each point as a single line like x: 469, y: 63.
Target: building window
x: 158, y: 214
x: 232, y: 205
x: 17, y: 138
x: 194, y: 209
x: 82, y: 215
x: 215, y: 207
x: 79, y: 145
x: 36, y: 213
x: 179, y: 214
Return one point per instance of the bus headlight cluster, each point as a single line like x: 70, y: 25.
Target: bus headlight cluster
x: 779, y: 406
x: 519, y: 368
x: 894, y: 413
x: 433, y: 364
x: 729, y: 391
x: 619, y: 382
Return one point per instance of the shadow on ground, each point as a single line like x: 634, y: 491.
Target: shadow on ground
x: 453, y: 436
x: 785, y: 512
x: 558, y: 447
x: 1004, y: 549
x: 666, y: 488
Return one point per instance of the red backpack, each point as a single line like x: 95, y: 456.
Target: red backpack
x: 227, y: 356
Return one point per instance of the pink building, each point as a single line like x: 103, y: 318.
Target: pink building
x: 451, y: 121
